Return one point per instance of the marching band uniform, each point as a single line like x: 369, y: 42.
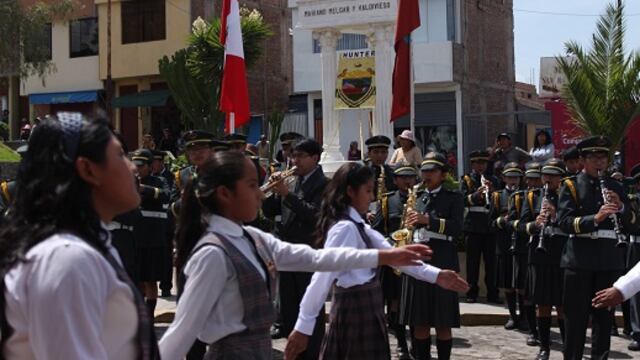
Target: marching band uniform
x: 480, y: 242
x: 501, y: 202
x: 591, y: 260
x: 123, y: 239
x: 382, y: 172
x: 544, y: 276
x: 167, y: 281
x: 425, y: 304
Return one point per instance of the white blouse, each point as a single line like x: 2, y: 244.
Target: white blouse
x: 211, y: 308
x: 629, y: 284
x: 542, y: 153
x: 66, y: 302
x: 345, y: 234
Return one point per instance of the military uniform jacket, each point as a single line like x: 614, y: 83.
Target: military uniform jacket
x: 555, y: 238
x: 170, y: 178
x: 517, y: 203
x: 299, y: 211
x: 151, y: 229
x: 446, y: 211
x: 580, y: 199
x: 498, y: 220
x: 477, y: 218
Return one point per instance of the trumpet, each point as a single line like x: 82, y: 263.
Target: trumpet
x: 542, y: 248
x: 617, y: 228
x: 286, y: 176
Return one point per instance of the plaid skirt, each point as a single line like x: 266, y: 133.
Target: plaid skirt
x: 246, y: 345
x: 357, y: 327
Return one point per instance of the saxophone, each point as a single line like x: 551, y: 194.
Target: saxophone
x: 382, y: 198
x: 404, y: 235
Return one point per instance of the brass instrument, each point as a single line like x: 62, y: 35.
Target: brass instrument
x: 287, y: 176
x: 617, y: 228
x: 404, y: 235
x: 381, y: 197
x: 542, y: 247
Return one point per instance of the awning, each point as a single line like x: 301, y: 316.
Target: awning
x: 142, y: 99
x: 64, y: 97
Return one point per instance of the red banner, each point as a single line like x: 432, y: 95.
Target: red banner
x: 565, y: 133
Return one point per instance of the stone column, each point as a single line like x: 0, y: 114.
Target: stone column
x: 330, y: 117
x: 381, y: 40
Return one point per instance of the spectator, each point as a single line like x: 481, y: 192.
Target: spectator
x: 263, y: 147
x: 148, y: 142
x: 505, y: 152
x: 354, y: 153
x: 168, y: 142
x: 408, y: 153
x: 25, y: 130
x: 543, y: 148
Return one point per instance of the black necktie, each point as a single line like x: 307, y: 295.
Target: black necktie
x: 146, y: 334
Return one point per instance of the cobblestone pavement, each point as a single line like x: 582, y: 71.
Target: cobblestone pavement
x: 492, y: 342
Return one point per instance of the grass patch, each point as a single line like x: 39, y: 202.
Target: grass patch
x: 8, y: 155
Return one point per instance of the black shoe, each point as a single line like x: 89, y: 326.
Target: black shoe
x: 165, y: 294
x: 511, y: 324
x: 403, y: 353
x: 532, y: 340
x: 614, y: 331
x: 496, y: 301
x: 543, y: 354
x: 634, y: 346
x: 276, y: 333
x: 471, y: 300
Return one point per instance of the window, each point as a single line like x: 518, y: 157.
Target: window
x: 143, y: 20
x: 451, y: 20
x: 83, y: 35
x: 346, y: 42
x: 39, y: 46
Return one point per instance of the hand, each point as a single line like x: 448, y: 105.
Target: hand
x: 404, y: 256
x: 613, y: 198
x: 450, y: 280
x: 605, y: 211
x: 296, y: 344
x: 414, y: 217
x: 549, y: 210
x: 541, y: 220
x: 370, y: 217
x: 610, y: 297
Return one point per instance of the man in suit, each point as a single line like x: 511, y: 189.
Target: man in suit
x: 295, y: 211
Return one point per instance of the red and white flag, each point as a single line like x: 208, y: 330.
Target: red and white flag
x: 408, y: 20
x: 234, y: 94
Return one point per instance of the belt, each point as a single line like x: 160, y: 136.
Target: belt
x: 479, y: 209
x: 635, y: 239
x: 423, y: 235
x: 154, y: 214
x: 553, y: 230
x: 114, y: 225
x: 165, y: 206
x: 600, y: 234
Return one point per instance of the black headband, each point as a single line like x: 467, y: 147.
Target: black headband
x: 71, y: 126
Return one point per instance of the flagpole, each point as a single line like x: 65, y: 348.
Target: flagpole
x: 232, y: 123
x: 412, y: 116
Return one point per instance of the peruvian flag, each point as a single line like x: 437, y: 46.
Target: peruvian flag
x: 234, y: 94
x: 408, y: 20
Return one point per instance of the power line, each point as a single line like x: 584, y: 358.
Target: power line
x: 564, y: 13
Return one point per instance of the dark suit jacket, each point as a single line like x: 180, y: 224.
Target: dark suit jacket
x: 299, y: 211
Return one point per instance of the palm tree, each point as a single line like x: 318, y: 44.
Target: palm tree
x: 603, y: 83
x: 194, y: 74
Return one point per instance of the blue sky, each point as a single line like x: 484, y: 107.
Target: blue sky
x: 538, y: 35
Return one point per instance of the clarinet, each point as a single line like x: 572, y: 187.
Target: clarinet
x: 487, y: 196
x: 542, y: 248
x: 622, y: 239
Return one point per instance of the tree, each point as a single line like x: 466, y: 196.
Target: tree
x: 603, y: 83
x: 23, y: 31
x: 194, y: 74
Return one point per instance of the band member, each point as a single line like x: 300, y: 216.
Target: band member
x: 238, y: 142
x: 283, y: 157
x: 7, y: 193
x: 296, y: 213
x: 64, y: 292
x: 591, y: 260
x: 544, y: 277
x: 231, y: 270
x: 378, y: 151
x: 522, y: 260
x: 438, y: 220
x: 476, y: 189
x: 151, y: 230
x: 633, y: 259
x: 158, y: 168
x: 356, y: 325
x: 499, y: 222
x: 572, y: 161
x: 405, y: 178
x: 199, y: 148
